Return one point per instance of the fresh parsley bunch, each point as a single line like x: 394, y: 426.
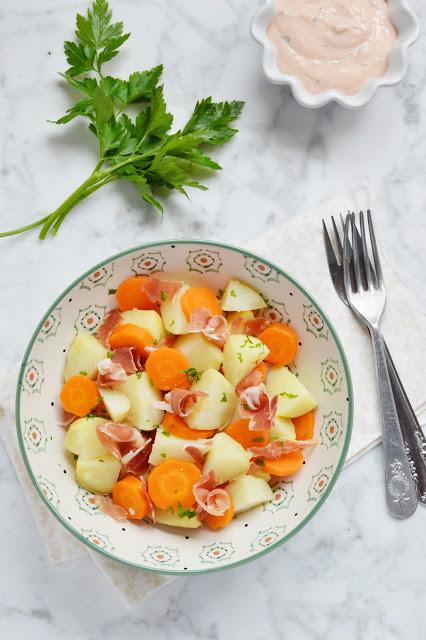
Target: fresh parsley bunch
x: 141, y: 151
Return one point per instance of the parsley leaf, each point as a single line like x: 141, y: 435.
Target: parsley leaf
x: 258, y: 439
x: 140, y: 149
x: 192, y: 374
x: 239, y: 356
x: 224, y: 397
x: 185, y: 513
x: 289, y: 395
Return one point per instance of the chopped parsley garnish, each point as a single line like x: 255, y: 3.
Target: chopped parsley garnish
x: 239, y: 356
x: 224, y: 397
x: 260, y: 462
x: 164, y: 295
x: 170, y: 509
x: 272, y: 438
x: 232, y: 293
x: 171, y: 323
x: 83, y: 373
x: 289, y: 395
x: 109, y: 354
x: 192, y: 374
x: 112, y: 291
x: 163, y: 455
x: 166, y: 433
x: 139, y: 374
x: 258, y: 439
x: 186, y: 513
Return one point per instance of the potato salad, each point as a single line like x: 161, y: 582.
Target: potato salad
x: 183, y: 410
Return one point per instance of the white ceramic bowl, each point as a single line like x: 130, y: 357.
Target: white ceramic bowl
x: 406, y: 24
x: 320, y: 362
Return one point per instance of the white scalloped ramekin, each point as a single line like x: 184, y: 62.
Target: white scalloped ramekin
x: 401, y: 16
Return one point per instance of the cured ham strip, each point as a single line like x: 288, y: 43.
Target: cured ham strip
x: 214, y: 327
x: 238, y: 325
x: 164, y: 342
x: 210, y: 499
x: 254, y: 469
x: 136, y: 461
x: 255, y: 404
x: 67, y: 419
x: 196, y: 453
x: 148, y: 499
x: 110, y: 372
x: 278, y: 449
x: 107, y: 326
x: 252, y: 379
x: 108, y: 507
x: 256, y: 326
x: 129, y: 358
x: 180, y: 401
x: 112, y: 434
x: 159, y: 291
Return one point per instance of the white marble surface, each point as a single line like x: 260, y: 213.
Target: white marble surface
x: 353, y: 572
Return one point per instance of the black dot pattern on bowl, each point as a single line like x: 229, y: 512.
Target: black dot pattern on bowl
x: 65, y: 470
x: 69, y: 517
x: 172, y: 246
x: 52, y: 404
x: 304, y: 462
x: 291, y: 293
x: 123, y: 529
x: 300, y: 344
x: 295, y: 514
x: 186, y: 537
x: 185, y: 568
x: 64, y: 350
x: 246, y: 525
x: 69, y: 299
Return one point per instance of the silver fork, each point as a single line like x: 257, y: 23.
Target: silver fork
x: 415, y: 441
x: 368, y: 303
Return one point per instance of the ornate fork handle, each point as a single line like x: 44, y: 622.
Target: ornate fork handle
x: 415, y: 441
x: 400, y: 490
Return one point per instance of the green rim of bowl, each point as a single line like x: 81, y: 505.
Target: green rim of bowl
x: 330, y: 484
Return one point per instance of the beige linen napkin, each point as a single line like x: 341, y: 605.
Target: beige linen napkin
x: 297, y: 247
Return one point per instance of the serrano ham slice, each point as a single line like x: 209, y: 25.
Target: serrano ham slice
x: 107, y: 326
x: 252, y: 379
x: 279, y: 448
x: 255, y: 404
x: 159, y: 291
x: 214, y: 327
x: 209, y: 498
x: 180, y: 401
x: 129, y: 358
x: 108, y: 507
x: 112, y: 434
x: 110, y: 372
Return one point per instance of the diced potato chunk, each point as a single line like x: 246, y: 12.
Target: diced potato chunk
x: 167, y: 446
x: 172, y: 313
x: 81, y: 438
x: 227, y: 458
x: 293, y: 398
x: 248, y: 492
x: 149, y: 320
x: 173, y: 520
x: 201, y: 353
x: 116, y: 403
x: 84, y: 355
x: 215, y: 410
x: 98, y: 475
x: 239, y: 296
x: 283, y: 429
x: 240, y: 355
x: 142, y: 394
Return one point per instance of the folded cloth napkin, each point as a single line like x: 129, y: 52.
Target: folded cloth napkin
x: 286, y: 246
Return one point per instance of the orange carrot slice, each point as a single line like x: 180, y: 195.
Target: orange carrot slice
x: 130, y: 335
x: 170, y: 484
x: 79, y: 395
x: 282, y: 342
x: 239, y: 430
x: 200, y: 298
x: 176, y: 426
x: 165, y: 366
x: 305, y: 425
x: 130, y: 295
x: 284, y: 466
x: 129, y: 494
x: 218, y: 522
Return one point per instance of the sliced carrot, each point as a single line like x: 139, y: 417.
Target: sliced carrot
x: 177, y: 427
x: 284, y: 466
x: 305, y: 425
x: 200, y: 298
x: 79, y: 395
x: 129, y: 494
x: 218, y: 522
x: 282, y: 342
x: 130, y: 295
x: 130, y: 335
x: 170, y: 484
x: 239, y: 430
x: 165, y: 366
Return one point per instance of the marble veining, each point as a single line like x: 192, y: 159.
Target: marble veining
x: 353, y: 572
